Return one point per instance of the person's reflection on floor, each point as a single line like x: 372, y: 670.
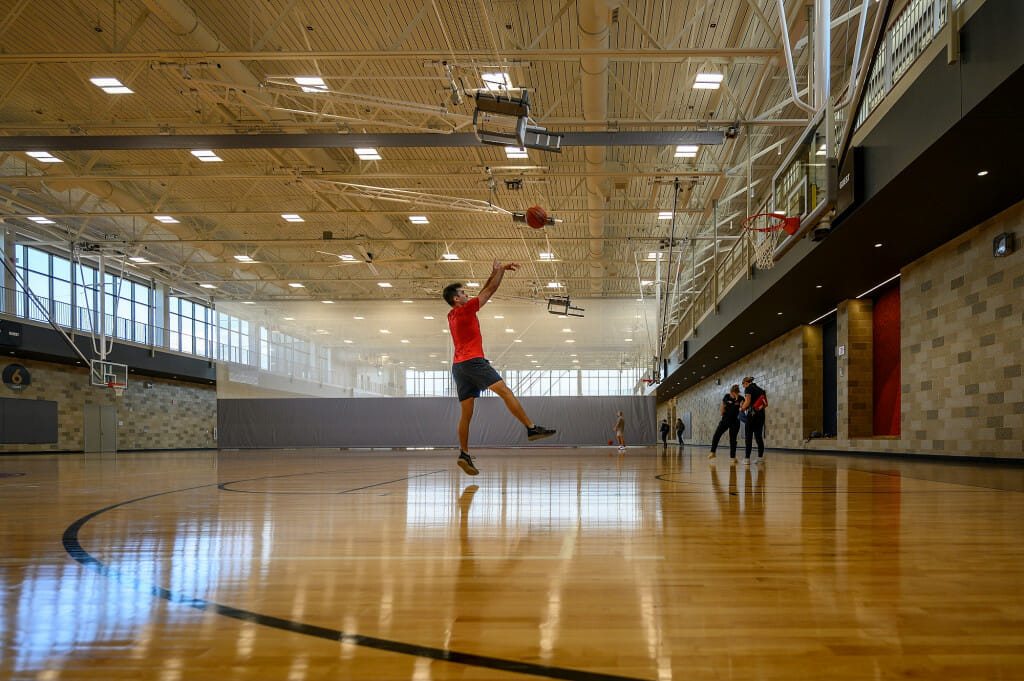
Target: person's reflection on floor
x: 753, y: 496
x: 464, y: 633
x: 728, y: 499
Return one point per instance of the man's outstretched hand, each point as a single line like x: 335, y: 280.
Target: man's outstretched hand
x: 497, y: 266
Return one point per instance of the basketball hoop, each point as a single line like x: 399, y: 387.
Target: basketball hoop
x: 764, y: 256
x: 789, y: 225
x: 117, y: 387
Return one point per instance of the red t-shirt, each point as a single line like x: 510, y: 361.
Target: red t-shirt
x: 465, y: 328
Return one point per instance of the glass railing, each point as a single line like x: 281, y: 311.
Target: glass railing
x: 907, y: 37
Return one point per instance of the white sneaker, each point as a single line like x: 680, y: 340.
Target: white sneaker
x: 746, y: 462
x: 711, y: 455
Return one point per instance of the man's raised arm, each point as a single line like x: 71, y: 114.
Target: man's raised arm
x: 493, y: 281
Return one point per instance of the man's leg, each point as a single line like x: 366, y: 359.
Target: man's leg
x: 465, y: 461
x: 467, y: 416
x: 511, y: 401
x: 533, y: 431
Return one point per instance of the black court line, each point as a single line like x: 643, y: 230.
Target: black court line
x: 224, y: 486
x: 79, y: 554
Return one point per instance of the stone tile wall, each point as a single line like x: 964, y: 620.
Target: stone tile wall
x: 778, y: 369
x: 169, y: 415
x: 962, y: 351
x: 855, y: 399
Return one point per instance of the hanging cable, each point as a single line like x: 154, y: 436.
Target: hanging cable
x: 671, y: 243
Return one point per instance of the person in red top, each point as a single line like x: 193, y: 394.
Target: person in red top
x: 471, y: 370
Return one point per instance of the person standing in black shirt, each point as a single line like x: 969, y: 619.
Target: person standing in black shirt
x: 730, y: 422
x: 665, y: 428
x: 754, y: 403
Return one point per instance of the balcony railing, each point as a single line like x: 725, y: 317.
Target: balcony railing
x: 907, y: 37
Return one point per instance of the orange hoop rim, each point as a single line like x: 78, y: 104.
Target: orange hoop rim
x: 783, y: 223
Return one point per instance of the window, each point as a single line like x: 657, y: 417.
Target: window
x: 429, y: 383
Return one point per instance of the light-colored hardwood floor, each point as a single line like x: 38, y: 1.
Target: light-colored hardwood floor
x: 553, y: 563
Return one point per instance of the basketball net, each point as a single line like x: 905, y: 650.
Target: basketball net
x: 118, y: 388
x: 765, y: 250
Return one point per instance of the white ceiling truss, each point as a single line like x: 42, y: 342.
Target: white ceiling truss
x: 401, y: 72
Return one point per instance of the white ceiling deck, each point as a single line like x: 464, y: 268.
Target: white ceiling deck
x: 200, y: 68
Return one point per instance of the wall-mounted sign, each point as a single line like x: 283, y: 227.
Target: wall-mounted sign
x: 840, y: 350
x: 10, y: 333
x: 16, y: 377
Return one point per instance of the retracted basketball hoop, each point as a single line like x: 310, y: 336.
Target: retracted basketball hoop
x: 789, y: 225
x: 772, y: 225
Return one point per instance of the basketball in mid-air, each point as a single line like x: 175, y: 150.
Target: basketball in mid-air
x: 536, y: 217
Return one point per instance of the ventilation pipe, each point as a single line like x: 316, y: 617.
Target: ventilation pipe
x: 593, y: 22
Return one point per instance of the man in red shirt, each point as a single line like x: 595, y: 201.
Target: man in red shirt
x: 472, y: 372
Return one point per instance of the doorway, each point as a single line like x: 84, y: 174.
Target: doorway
x: 100, y: 428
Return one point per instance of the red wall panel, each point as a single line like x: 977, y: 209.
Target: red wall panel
x: 886, y: 359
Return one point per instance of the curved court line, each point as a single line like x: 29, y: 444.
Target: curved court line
x: 224, y: 486
x: 85, y: 559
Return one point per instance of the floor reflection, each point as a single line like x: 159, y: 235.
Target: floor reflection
x: 649, y: 564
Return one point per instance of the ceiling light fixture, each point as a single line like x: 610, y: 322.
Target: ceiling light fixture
x: 419, y: 219
x: 44, y: 156
x: 367, y: 153
x: 384, y: 284
x: 166, y: 219
x: 206, y: 156
x: 878, y: 286
x: 112, y: 86
x: 496, y: 81
x: 311, y: 83
x: 708, y: 81
x: 292, y: 217
x: 516, y: 152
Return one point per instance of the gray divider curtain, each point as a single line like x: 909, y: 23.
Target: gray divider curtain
x: 426, y: 422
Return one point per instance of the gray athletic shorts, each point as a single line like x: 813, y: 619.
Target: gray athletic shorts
x: 472, y: 376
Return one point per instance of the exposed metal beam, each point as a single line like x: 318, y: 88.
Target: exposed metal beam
x: 340, y: 141
x: 186, y: 56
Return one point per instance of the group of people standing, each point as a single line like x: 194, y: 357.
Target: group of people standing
x: 749, y: 409
x: 666, y: 429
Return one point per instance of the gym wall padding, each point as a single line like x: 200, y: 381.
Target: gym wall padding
x: 426, y: 422
x: 27, y: 421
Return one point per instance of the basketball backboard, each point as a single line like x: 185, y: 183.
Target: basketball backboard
x: 109, y: 374
x: 806, y: 182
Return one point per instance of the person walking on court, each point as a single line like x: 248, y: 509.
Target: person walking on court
x: 471, y: 370
x: 664, y: 432
x: 620, y: 430
x: 730, y: 422
x: 680, y: 429
x: 754, y: 403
